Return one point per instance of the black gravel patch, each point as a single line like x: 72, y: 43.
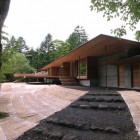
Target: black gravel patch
x: 101, y: 99
x: 99, y: 116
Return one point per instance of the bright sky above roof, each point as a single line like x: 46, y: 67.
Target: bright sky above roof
x: 34, y: 19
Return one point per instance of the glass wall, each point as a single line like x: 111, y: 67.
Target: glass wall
x: 82, y: 68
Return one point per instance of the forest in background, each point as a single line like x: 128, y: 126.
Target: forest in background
x: 18, y: 57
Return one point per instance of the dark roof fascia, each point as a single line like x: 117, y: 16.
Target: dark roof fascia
x: 126, y: 60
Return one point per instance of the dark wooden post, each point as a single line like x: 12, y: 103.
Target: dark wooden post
x: 0, y: 62
x: 79, y: 68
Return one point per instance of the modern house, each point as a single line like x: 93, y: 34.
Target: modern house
x: 103, y: 61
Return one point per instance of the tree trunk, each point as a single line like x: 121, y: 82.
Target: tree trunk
x: 0, y: 60
x: 4, y: 7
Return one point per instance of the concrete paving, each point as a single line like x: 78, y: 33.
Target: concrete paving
x: 28, y: 104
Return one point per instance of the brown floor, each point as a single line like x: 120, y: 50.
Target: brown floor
x: 28, y: 104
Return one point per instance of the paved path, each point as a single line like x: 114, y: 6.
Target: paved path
x: 28, y: 104
x: 132, y: 98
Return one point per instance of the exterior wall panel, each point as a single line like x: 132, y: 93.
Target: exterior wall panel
x: 111, y: 76
x: 121, y: 76
x: 66, y: 69
x: 55, y: 71
x: 136, y: 75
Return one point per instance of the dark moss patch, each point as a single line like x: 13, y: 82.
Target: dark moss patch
x: 3, y: 115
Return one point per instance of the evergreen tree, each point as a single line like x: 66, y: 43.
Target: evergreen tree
x: 77, y: 38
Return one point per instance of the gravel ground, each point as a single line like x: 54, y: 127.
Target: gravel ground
x: 98, y: 115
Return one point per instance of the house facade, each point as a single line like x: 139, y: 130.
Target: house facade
x: 103, y: 61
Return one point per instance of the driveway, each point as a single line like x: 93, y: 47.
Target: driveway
x: 28, y: 104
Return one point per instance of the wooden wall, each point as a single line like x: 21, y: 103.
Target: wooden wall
x: 55, y: 71
x: 66, y: 69
x: 136, y: 75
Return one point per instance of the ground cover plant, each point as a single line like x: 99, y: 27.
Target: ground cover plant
x: 3, y: 115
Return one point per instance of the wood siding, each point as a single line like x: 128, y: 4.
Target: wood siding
x: 55, y: 71
x: 136, y: 75
x: 66, y: 69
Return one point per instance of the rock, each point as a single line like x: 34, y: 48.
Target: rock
x: 75, y: 105
x: 53, y: 120
x: 103, y: 106
x: 37, y: 130
x: 121, y: 107
x: 55, y: 136
x: 94, y: 128
x: 84, y: 106
x: 70, y: 137
x: 112, y: 130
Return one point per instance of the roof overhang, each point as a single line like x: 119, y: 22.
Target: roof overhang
x: 95, y: 47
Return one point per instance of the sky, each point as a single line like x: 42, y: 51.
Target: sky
x: 34, y: 19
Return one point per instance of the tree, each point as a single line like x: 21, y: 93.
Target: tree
x: 4, y: 37
x: 4, y: 7
x: 17, y: 63
x: 61, y: 48
x: 77, y: 38
x: 18, y: 44
x: 21, y: 45
x: 127, y: 10
x: 45, y: 52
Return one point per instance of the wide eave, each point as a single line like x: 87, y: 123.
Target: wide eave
x: 95, y: 47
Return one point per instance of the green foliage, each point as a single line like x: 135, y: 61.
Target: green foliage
x: 4, y: 37
x: 19, y: 44
x: 3, y: 115
x: 47, y: 47
x: 4, y: 7
x: 48, y: 51
x: 77, y: 38
x: 83, y: 69
x: 127, y: 10
x: 137, y: 34
x: 15, y: 63
x: 61, y: 48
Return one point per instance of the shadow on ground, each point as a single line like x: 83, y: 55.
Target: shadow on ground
x: 98, y: 115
